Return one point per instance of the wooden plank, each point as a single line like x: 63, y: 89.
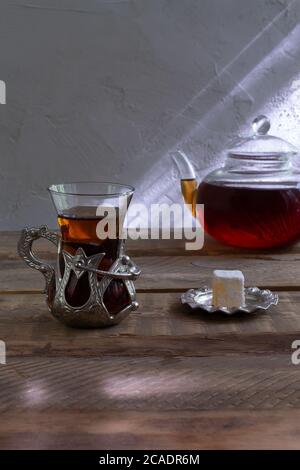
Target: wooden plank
x: 170, y: 272
x: 241, y: 403
x: 162, y: 326
x: 177, y: 272
x: 149, y: 384
x: 9, y: 240
x: 90, y: 429
x: 45, y: 249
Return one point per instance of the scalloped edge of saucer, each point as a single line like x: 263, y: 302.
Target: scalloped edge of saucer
x: 264, y: 300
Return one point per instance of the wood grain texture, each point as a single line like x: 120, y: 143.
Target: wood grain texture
x: 162, y: 326
x: 229, y: 429
x: 177, y: 273
x: 166, y: 377
x: 149, y: 384
x: 9, y: 240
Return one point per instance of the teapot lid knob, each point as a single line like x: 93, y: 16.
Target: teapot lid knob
x: 261, y: 125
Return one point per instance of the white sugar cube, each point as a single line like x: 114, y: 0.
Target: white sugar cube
x: 228, y: 288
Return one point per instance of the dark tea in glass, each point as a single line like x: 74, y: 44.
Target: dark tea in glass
x: 78, y: 227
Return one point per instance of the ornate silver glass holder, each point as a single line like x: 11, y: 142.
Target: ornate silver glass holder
x: 93, y: 314
x: 255, y: 299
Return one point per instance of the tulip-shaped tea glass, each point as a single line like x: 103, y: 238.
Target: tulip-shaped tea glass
x: 92, y: 285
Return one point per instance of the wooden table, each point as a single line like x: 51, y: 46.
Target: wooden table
x: 165, y: 377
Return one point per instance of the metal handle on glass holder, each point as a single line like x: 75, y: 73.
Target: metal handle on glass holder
x: 25, y: 250
x: 129, y: 275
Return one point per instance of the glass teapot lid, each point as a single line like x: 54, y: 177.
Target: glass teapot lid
x: 261, y: 144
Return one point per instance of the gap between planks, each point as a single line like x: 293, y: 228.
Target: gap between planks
x: 153, y: 290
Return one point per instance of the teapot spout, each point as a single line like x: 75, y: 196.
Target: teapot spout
x: 188, y: 180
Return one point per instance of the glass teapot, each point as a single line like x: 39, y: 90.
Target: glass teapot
x: 253, y: 201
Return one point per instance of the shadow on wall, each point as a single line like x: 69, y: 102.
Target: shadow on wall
x: 106, y: 90
x: 257, y: 80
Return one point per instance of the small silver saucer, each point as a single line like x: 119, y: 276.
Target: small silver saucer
x: 255, y: 299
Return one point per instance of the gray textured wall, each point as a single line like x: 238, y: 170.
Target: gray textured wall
x: 105, y: 89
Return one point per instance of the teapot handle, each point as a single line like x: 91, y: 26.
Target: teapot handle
x: 30, y: 235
